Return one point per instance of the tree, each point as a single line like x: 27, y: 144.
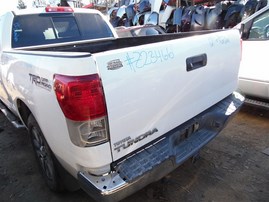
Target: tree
x: 21, y: 4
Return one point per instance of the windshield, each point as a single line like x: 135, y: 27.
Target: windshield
x: 31, y: 30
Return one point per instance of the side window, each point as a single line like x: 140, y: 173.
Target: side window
x: 260, y: 27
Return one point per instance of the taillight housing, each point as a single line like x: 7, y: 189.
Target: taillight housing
x: 80, y: 97
x: 82, y: 101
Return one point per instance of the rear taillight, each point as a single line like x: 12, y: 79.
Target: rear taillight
x: 81, y: 98
x: 82, y: 101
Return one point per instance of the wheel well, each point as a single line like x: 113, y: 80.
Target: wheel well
x: 24, y: 111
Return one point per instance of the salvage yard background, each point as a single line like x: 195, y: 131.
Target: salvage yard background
x: 232, y: 167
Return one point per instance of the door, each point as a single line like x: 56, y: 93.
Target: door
x: 254, y: 68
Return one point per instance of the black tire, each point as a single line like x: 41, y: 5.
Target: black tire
x: 44, y: 155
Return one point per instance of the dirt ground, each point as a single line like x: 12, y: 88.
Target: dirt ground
x: 232, y: 167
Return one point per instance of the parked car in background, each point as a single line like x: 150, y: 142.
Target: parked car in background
x: 254, y: 68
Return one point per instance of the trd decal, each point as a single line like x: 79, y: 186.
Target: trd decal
x: 40, y: 82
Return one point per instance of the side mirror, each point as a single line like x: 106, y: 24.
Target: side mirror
x: 243, y: 31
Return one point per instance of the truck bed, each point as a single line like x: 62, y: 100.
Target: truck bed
x: 96, y: 46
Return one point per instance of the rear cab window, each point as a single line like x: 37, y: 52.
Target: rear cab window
x: 42, y: 29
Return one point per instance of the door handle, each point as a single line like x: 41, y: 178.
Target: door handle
x: 196, y: 62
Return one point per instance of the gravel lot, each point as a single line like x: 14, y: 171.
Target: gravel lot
x: 232, y: 167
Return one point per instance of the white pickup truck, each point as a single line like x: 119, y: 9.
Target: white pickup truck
x: 115, y: 113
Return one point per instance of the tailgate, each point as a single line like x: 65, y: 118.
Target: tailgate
x: 153, y: 88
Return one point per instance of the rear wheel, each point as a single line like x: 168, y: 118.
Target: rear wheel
x: 44, y: 155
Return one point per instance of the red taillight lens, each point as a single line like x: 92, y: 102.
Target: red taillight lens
x: 59, y: 9
x: 81, y: 98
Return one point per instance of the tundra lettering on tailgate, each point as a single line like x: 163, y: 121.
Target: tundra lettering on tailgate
x: 128, y: 141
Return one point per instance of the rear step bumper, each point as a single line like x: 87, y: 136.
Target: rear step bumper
x: 156, y: 160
